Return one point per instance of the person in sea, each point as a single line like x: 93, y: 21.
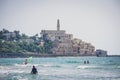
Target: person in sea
x: 25, y: 61
x: 34, y: 70
x: 86, y: 62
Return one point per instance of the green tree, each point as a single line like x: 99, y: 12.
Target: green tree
x: 2, y: 36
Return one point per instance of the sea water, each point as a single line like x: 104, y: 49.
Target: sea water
x: 61, y: 68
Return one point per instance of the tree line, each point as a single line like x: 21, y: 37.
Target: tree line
x: 14, y: 42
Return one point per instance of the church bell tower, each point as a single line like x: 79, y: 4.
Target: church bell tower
x: 58, y: 25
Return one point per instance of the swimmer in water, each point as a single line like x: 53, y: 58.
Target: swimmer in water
x: 34, y: 70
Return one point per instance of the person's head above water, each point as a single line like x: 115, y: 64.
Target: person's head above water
x: 33, y: 66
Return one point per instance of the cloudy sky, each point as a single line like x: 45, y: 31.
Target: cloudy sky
x: 93, y: 21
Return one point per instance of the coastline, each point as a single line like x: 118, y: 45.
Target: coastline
x: 113, y: 56
x: 24, y: 55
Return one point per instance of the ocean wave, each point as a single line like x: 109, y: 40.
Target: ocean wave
x: 38, y: 65
x: 27, y: 65
x: 96, y: 67
x: 86, y: 67
x: 3, y: 67
x: 72, y: 62
x: 19, y: 78
x: 118, y: 67
x: 50, y: 65
x: 22, y: 76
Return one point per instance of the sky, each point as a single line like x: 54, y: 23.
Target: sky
x: 94, y: 21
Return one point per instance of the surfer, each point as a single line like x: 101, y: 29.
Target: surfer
x: 34, y: 70
x: 26, y: 61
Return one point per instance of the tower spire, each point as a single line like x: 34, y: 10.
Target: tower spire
x: 58, y: 25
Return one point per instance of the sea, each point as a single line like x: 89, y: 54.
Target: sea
x: 61, y: 68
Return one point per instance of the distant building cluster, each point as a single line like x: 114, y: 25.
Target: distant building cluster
x: 15, y: 36
x: 10, y: 35
x: 65, y: 44
x: 60, y: 43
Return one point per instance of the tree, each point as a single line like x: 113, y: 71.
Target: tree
x: 24, y: 36
x: 5, y: 31
x: 47, y: 46
x: 2, y: 36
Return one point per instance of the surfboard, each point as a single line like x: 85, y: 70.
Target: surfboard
x: 29, y: 59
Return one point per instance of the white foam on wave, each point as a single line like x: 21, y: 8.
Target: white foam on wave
x: 27, y: 65
x: 46, y: 65
x: 85, y: 67
x: 4, y: 69
x: 23, y: 65
x: 19, y: 78
x: 7, y: 71
x: 118, y: 67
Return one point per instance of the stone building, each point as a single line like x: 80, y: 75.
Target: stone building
x: 101, y: 53
x: 81, y: 47
x: 61, y: 40
x: 64, y: 44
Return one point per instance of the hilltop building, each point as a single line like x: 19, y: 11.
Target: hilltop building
x: 65, y: 44
x: 58, y: 34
